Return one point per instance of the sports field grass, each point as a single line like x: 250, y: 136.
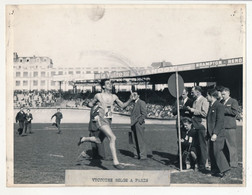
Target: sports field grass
x: 43, y: 157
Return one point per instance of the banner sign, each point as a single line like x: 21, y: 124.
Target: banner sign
x: 183, y: 67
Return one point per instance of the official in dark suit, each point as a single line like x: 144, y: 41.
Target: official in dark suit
x: 200, y: 110
x: 231, y: 110
x: 216, y: 134
x: 184, y: 101
x: 137, y: 118
x: 20, y: 119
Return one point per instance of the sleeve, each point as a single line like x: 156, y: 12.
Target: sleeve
x: 204, y: 109
x: 174, y: 110
x: 143, y: 112
x: 53, y: 116
x: 219, y: 120
x: 31, y: 117
x: 17, y: 117
x: 233, y: 109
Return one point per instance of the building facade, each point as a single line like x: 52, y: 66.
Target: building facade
x: 39, y: 73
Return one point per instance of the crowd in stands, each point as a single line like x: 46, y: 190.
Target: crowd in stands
x: 153, y: 111
x: 35, y: 99
x: 159, y: 103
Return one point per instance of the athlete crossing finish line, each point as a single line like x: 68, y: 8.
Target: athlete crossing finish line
x: 104, y: 119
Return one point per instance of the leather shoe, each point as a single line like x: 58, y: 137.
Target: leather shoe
x: 204, y: 171
x: 218, y: 175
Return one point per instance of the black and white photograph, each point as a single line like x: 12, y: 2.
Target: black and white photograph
x: 125, y: 95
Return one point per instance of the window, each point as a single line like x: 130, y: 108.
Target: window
x: 25, y: 83
x: 52, y: 73
x: 78, y: 72
x: 88, y: 72
x: 35, y: 83
x: 18, y: 74
x: 70, y: 72
x: 44, y: 60
x: 60, y: 72
x: 43, y: 74
x: 27, y: 60
x: 53, y: 83
x: 17, y: 83
x: 42, y: 83
x: 25, y: 74
x: 35, y: 74
x: 96, y: 72
x: 21, y: 60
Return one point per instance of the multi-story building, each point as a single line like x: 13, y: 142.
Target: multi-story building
x: 39, y: 73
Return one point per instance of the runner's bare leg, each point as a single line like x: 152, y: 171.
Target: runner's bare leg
x: 112, y: 138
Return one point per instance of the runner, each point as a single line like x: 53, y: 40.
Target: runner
x: 58, y: 116
x: 106, y: 100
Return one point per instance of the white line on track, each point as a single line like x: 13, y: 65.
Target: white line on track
x: 57, y: 155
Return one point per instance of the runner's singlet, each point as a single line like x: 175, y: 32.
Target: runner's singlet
x: 106, y: 104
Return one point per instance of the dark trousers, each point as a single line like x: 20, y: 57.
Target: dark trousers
x: 57, y: 124
x: 232, y: 147
x: 139, y: 141
x: 98, y: 150
x: 203, y: 149
x: 28, y: 126
x: 20, y: 127
x: 219, y: 162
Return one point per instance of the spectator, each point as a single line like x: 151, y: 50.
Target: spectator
x: 20, y: 119
x: 200, y: 110
x: 231, y: 111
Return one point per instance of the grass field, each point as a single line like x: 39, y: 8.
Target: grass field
x: 43, y: 157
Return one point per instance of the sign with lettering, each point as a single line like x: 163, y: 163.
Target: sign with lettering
x: 117, y: 178
x: 174, y: 68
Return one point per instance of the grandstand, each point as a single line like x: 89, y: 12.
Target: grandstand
x: 159, y: 102
x: 215, y: 72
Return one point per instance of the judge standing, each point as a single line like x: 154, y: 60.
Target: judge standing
x: 137, y: 119
x: 216, y: 134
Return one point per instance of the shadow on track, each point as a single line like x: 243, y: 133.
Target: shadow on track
x: 96, y: 162
x: 126, y: 153
x: 169, y: 159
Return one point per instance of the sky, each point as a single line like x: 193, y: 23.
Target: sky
x: 128, y: 35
